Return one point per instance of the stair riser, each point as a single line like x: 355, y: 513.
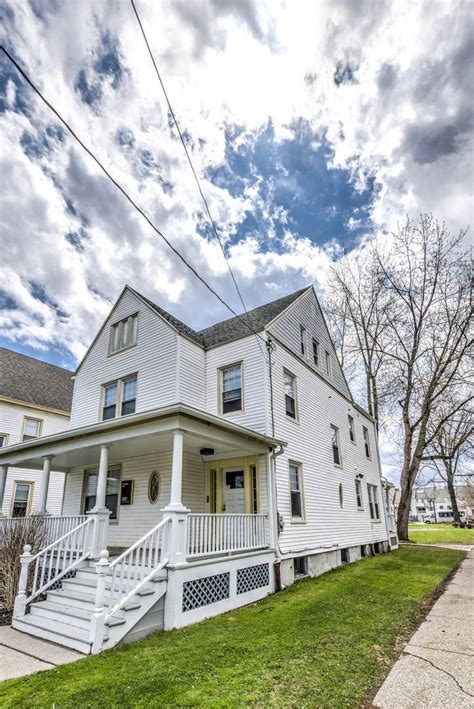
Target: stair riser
x: 60, y: 617
x: 76, y: 585
x: 73, y: 602
x: 70, y: 642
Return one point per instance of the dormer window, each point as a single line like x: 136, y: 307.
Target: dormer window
x: 123, y: 334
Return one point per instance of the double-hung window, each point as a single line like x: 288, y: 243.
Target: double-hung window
x: 123, y: 334
x: 302, y: 340
x: 112, y: 490
x: 373, y: 502
x: 31, y: 428
x: 366, y: 441
x: 358, y: 487
x: 119, y: 398
x: 231, y: 387
x: 316, y: 352
x: 336, y: 448
x: 352, y: 433
x: 289, y: 384
x: 296, y: 491
x: 22, y: 499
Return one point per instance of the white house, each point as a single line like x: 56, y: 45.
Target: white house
x: 202, y: 473
x: 432, y: 502
x: 35, y: 400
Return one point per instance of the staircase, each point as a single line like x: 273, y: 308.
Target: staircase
x: 90, y: 606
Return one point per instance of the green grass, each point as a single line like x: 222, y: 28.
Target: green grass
x: 324, y: 642
x: 434, y: 533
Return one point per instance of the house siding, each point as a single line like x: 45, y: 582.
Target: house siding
x: 192, y: 374
x: 154, y: 358
x: 11, y: 423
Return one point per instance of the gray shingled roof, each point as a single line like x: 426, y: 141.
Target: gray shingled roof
x: 233, y: 328
x: 34, y: 382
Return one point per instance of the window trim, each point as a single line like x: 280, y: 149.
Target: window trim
x: 220, y: 389
x: 358, y: 486
x: 317, y: 350
x: 95, y: 469
x: 31, y: 493
x: 367, y: 443
x: 302, y: 519
x: 40, y: 428
x: 374, y: 501
x: 295, y: 418
x: 119, y: 323
x: 118, y: 402
x: 352, y: 429
x: 6, y: 438
x: 335, y: 428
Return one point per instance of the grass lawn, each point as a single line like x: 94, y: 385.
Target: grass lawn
x: 433, y: 533
x: 324, y: 642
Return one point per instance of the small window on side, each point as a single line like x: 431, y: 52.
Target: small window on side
x: 316, y: 352
x: 3, y: 440
x: 328, y: 365
x: 373, y: 502
x: 366, y: 441
x: 358, y: 488
x: 352, y: 434
x: 341, y: 496
x: 302, y: 340
x: 231, y: 387
x: 31, y: 428
x: 336, y: 449
x: 296, y: 491
x: 289, y: 383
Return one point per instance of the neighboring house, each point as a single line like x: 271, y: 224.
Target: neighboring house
x: 214, y: 476
x: 35, y: 401
x: 433, y: 502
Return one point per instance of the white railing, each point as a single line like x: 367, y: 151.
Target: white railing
x: 49, y: 565
x: 136, y: 566
x: 50, y: 528
x: 225, y: 533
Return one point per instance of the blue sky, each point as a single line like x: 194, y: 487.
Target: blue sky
x: 312, y: 131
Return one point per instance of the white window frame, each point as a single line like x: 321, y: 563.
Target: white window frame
x: 5, y: 437
x: 40, y: 428
x: 374, y: 504
x: 119, y: 398
x: 335, y: 430
x: 366, y: 437
x: 352, y: 430
x: 31, y: 493
x: 95, y: 471
x: 132, y: 333
x: 299, y: 467
x: 328, y: 365
x: 316, y: 353
x: 220, y: 389
x: 303, y: 341
x: 358, y: 489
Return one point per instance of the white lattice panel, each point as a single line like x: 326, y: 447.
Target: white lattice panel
x: 204, y: 591
x: 252, y: 577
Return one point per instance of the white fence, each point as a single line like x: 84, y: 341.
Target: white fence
x: 225, y: 533
x: 49, y: 528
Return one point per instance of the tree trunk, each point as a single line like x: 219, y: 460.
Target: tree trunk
x: 452, y: 494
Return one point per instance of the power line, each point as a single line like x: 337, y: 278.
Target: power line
x: 121, y: 189
x: 196, y: 178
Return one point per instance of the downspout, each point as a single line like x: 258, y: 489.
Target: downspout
x: 274, y: 516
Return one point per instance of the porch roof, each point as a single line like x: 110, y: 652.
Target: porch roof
x: 138, y: 434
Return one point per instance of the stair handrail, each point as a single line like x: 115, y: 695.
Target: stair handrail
x: 147, y: 549
x: 66, y: 553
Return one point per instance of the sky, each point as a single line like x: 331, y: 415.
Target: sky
x: 314, y: 126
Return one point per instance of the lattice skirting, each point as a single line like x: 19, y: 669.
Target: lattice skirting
x: 204, y: 591
x: 252, y: 577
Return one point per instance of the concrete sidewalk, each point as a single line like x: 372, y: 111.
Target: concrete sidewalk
x: 22, y: 654
x: 435, y: 669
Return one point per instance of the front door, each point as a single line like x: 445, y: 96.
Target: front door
x: 234, y: 491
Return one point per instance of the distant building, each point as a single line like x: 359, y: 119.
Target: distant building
x: 433, y: 502
x: 35, y: 401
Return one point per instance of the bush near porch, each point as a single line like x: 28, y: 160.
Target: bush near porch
x: 324, y: 642
x: 441, y: 533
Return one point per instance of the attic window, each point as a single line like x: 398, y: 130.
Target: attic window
x: 123, y: 334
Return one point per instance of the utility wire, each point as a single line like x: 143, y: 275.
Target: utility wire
x: 122, y: 190
x: 211, y: 220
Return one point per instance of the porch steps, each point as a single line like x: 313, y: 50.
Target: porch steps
x: 61, y: 633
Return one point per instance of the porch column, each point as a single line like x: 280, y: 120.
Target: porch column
x: 44, y: 485
x: 177, y: 472
x: 176, y: 540
x: 102, y: 479
x: 100, y: 514
x: 3, y: 482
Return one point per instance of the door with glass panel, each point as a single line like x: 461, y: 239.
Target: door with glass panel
x: 111, y: 494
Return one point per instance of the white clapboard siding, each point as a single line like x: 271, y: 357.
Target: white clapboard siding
x: 154, y: 358
x: 191, y: 377
x: 309, y: 443
x: 306, y: 312
x: 245, y: 350
x: 11, y: 422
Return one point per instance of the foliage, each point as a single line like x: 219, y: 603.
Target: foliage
x: 324, y: 642
x: 14, y: 534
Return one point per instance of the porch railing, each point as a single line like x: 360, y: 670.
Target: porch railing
x: 40, y: 571
x: 52, y: 528
x: 225, y: 533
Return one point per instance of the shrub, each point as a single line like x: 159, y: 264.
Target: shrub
x: 14, y: 534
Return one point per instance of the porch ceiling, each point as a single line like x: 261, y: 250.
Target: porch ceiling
x: 137, y: 435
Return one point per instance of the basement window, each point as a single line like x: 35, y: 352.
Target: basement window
x: 300, y: 565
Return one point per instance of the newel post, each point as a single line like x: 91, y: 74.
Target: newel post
x: 19, y: 608
x: 96, y: 633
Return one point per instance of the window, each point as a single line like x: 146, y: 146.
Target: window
x: 345, y: 556
x: 316, y: 352
x: 31, y: 428
x: 352, y: 433
x: 111, y: 493
x: 341, y: 495
x: 119, y: 396
x: 289, y: 382
x: 300, y: 565
x: 328, y: 365
x: 3, y: 440
x: 366, y: 441
x: 336, y: 450
x: 303, y: 340
x: 22, y: 499
x: 296, y: 491
x: 123, y: 334
x: 231, y: 389
x: 373, y: 502
x: 253, y: 474
x: 358, y: 486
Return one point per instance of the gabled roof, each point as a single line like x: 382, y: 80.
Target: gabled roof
x: 31, y: 381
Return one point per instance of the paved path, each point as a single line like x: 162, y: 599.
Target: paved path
x: 22, y: 654
x: 435, y: 670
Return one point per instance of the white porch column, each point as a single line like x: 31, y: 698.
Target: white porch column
x: 176, y: 542
x: 44, y: 485
x: 102, y: 479
x: 3, y: 482
x: 100, y: 514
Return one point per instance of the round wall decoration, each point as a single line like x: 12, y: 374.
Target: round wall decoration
x: 154, y: 487
x: 341, y: 495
